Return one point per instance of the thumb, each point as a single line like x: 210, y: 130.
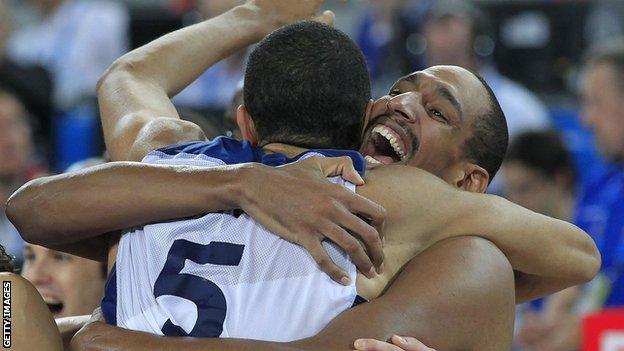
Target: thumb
x: 327, y: 17
x: 340, y: 166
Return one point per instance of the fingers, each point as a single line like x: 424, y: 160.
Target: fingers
x: 375, y: 213
x: 409, y: 344
x: 369, y: 236
x: 398, y: 344
x: 327, y: 17
x: 353, y: 248
x: 339, y: 166
x: 325, y: 262
x: 374, y: 345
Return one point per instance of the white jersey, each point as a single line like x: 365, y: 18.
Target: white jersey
x: 222, y: 275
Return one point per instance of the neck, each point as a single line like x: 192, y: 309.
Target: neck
x: 288, y: 150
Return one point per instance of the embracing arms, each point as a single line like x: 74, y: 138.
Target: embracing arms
x: 77, y: 208
x: 548, y: 254
x: 442, y: 296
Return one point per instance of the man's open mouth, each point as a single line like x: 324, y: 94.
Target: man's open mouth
x: 55, y: 306
x: 385, y: 146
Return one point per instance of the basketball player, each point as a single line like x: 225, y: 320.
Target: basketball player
x: 391, y: 177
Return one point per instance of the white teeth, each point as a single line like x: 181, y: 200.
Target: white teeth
x: 370, y: 159
x: 390, y: 135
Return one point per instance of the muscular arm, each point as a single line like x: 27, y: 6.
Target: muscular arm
x: 134, y: 94
x: 442, y: 296
x: 548, y: 253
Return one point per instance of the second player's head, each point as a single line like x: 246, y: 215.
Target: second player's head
x: 306, y: 85
x: 445, y: 120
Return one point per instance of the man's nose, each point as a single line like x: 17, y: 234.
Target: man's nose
x: 405, y: 105
x: 38, y: 272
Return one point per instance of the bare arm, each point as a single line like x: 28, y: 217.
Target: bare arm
x: 443, y: 296
x: 32, y: 325
x: 549, y: 253
x: 134, y: 94
x: 79, y: 207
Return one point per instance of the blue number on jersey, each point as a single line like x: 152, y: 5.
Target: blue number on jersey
x: 209, y: 299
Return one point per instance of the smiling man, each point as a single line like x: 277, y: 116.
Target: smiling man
x: 445, y: 120
x: 549, y: 254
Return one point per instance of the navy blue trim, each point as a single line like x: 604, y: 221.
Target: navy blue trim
x: 109, y: 302
x: 232, y: 151
x: 358, y: 301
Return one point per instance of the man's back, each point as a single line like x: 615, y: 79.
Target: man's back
x: 222, y: 274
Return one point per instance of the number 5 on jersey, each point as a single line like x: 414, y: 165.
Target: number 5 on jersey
x: 206, y: 295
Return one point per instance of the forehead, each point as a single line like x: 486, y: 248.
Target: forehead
x: 464, y: 86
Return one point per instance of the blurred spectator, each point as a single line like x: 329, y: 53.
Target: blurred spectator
x: 76, y: 40
x: 539, y: 175
x: 31, y: 84
x: 602, y: 203
x: 212, y: 92
x: 379, y: 37
x: 18, y: 162
x: 70, y: 285
x: 458, y: 33
x: 599, y: 209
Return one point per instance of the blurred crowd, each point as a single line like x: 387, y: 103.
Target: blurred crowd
x: 556, y: 67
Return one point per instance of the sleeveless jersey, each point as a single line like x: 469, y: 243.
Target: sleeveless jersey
x: 223, y: 274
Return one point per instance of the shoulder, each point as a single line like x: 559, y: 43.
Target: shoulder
x: 29, y: 315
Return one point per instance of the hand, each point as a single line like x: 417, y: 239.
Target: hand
x: 298, y: 203
x: 85, y: 337
x: 277, y: 13
x: 398, y: 343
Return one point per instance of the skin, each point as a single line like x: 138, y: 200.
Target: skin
x: 74, y: 282
x: 603, y: 108
x: 416, y: 110
x: 145, y: 132
x: 29, y: 312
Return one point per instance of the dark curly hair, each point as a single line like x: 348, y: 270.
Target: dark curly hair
x: 6, y: 261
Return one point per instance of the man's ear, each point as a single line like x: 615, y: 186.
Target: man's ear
x: 246, y: 125
x: 368, y: 114
x: 475, y: 179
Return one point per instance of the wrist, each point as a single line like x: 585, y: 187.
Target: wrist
x: 243, y: 184
x: 260, y: 24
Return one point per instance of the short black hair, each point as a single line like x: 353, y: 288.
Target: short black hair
x: 488, y: 144
x: 543, y: 151
x: 307, y: 84
x: 6, y: 261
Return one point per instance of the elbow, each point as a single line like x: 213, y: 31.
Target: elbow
x: 594, y: 262
x: 19, y: 211
x: 118, y: 72
x: 589, y: 266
